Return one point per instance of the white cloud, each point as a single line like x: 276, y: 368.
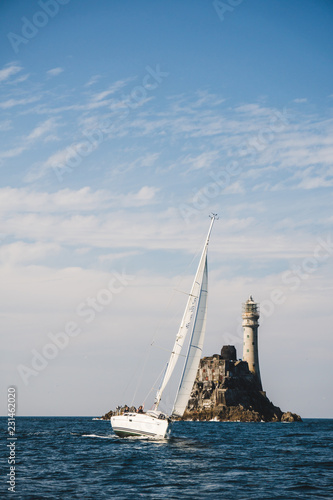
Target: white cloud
x: 149, y: 159
x: 94, y: 79
x: 23, y: 200
x: 9, y: 70
x: 5, y: 125
x: 55, y: 71
x: 34, y: 209
x: 10, y: 103
x: 41, y: 129
x: 234, y: 188
x: 86, y: 219
x: 204, y: 160
x: 58, y: 160
x: 112, y: 89
x: 112, y: 257
x: 60, y: 157
x: 11, y: 153
x: 145, y: 196
x: 20, y: 79
x: 20, y: 252
x: 314, y: 183
x: 25, y: 142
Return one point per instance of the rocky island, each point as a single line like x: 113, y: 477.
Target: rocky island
x: 225, y: 389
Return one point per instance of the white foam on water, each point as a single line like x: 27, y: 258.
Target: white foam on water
x: 110, y: 436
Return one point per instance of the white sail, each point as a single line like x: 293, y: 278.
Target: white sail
x: 189, y: 318
x: 154, y: 423
x: 194, y: 350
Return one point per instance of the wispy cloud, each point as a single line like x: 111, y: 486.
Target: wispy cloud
x: 145, y: 196
x: 10, y: 103
x: 235, y: 188
x: 54, y: 71
x: 41, y: 129
x: 203, y: 160
x: 128, y: 230
x: 315, y: 182
x: 5, y: 125
x: 94, y: 79
x: 24, y: 200
x: 112, y: 89
x: 204, y: 131
x: 11, y: 153
x: 111, y: 257
x: 9, y: 70
x: 26, y: 141
x: 23, y: 253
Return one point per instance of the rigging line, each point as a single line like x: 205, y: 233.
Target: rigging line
x: 144, y: 364
x: 130, y: 380
x: 181, y: 278
x: 186, y: 293
x: 139, y: 379
x: 166, y: 350
x: 153, y: 386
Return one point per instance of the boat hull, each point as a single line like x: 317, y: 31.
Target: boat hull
x: 139, y: 424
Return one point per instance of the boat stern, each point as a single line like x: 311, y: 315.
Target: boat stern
x: 140, y: 424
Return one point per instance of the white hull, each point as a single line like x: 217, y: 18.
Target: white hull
x: 152, y: 424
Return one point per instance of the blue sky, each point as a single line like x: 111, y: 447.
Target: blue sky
x: 123, y: 125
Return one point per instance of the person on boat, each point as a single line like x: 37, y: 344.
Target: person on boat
x: 140, y: 409
x: 126, y: 409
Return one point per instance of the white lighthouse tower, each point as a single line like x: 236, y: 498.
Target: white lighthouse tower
x: 250, y: 324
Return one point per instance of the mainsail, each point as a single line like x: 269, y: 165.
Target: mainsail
x: 194, y: 351
x: 194, y: 320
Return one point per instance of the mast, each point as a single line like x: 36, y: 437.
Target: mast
x: 190, y: 312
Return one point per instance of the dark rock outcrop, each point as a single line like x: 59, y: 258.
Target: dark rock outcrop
x: 290, y: 417
x: 107, y: 415
x: 118, y: 411
x: 226, y: 390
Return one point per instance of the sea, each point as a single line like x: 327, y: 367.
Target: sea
x: 81, y: 458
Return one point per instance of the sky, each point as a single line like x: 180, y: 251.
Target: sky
x: 123, y: 125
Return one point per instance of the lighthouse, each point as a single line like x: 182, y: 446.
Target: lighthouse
x: 250, y: 315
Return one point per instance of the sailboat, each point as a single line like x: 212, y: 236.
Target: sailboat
x: 154, y: 423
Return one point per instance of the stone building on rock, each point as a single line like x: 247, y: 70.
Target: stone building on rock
x: 229, y: 389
